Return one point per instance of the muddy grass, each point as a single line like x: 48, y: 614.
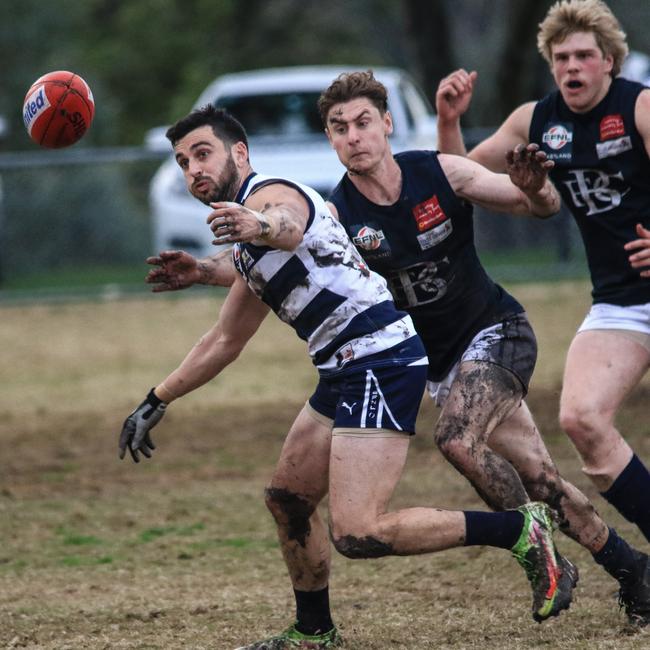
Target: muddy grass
x: 179, y: 552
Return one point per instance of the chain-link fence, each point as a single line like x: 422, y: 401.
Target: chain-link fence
x: 82, y: 216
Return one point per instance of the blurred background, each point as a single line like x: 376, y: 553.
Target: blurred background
x: 79, y: 220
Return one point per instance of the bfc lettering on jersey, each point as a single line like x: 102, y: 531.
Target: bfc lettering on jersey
x: 326, y: 292
x: 557, y: 141
x: 419, y: 284
x: 596, y: 191
x: 34, y: 106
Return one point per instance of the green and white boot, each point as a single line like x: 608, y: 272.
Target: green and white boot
x: 551, y: 576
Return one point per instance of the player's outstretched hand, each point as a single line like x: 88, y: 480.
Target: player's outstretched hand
x: 175, y: 270
x: 135, y: 431
x: 454, y: 94
x: 528, y: 167
x: 640, y: 259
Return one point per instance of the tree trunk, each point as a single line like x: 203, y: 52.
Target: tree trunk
x: 427, y: 26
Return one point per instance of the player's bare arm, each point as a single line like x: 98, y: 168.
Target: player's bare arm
x: 642, y: 117
x: 639, y: 249
x: 240, y: 317
x: 537, y: 196
x: 276, y: 216
x: 177, y: 270
x: 514, y: 131
x: 332, y: 209
x: 453, y: 98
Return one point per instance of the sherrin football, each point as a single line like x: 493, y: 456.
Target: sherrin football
x: 58, y: 109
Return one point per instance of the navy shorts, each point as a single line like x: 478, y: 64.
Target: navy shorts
x: 375, y: 399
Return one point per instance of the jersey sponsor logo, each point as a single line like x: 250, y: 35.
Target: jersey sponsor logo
x: 613, y: 147
x: 428, y: 214
x: 368, y: 238
x: 612, y: 126
x: 432, y: 237
x: 242, y: 259
x: 596, y: 191
x: 34, y: 106
x: 344, y: 355
x: 557, y: 140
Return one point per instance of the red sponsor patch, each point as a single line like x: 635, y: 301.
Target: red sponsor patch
x: 428, y: 214
x: 611, y: 126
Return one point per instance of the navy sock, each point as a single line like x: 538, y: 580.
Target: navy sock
x: 313, y: 611
x: 630, y: 494
x: 618, y: 558
x: 500, y: 529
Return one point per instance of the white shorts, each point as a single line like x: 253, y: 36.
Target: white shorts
x: 632, y: 321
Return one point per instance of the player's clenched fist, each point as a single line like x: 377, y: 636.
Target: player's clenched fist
x: 454, y: 94
x: 135, y: 430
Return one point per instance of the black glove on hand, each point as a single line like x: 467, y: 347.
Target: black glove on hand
x: 135, y: 430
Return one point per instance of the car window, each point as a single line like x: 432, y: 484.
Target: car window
x: 417, y: 105
x: 284, y: 114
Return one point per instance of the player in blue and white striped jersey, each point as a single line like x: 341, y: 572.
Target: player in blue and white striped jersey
x: 324, y: 290
x: 351, y: 439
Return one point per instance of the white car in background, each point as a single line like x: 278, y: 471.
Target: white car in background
x: 277, y: 106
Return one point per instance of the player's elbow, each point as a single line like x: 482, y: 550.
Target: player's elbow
x: 230, y: 347
x: 546, y: 211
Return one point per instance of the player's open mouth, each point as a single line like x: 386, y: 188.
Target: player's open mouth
x: 574, y: 83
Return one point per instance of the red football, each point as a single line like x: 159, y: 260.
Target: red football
x: 58, y: 109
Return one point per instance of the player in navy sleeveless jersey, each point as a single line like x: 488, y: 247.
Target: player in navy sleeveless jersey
x: 596, y: 128
x: 409, y: 217
x: 351, y: 438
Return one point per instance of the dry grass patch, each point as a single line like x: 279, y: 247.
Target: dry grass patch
x: 179, y: 552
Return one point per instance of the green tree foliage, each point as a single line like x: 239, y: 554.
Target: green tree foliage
x: 147, y: 60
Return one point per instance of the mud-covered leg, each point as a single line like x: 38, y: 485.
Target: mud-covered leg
x: 518, y: 440
x: 481, y: 397
x: 298, y: 485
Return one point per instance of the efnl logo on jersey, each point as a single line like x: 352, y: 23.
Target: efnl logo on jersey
x: 557, y: 140
x: 368, y: 238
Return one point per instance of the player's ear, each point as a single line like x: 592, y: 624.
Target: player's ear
x: 239, y: 152
x: 609, y: 61
x: 388, y: 123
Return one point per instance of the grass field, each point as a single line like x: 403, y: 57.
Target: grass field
x: 179, y: 552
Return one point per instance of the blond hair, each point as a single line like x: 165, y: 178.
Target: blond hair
x: 568, y: 16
